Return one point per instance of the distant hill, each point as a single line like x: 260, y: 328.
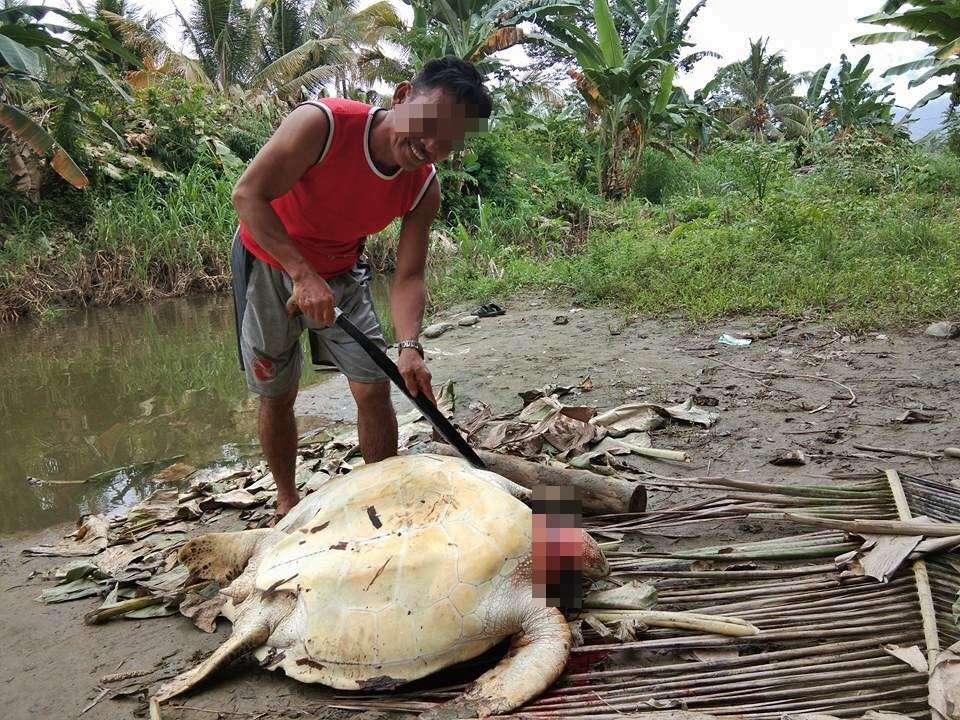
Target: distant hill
x: 926, y: 119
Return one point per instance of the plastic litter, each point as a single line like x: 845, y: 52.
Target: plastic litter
x: 726, y: 339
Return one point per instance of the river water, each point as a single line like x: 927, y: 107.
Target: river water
x: 106, y: 388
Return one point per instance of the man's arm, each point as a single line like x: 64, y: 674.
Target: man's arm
x: 408, y: 293
x: 290, y: 152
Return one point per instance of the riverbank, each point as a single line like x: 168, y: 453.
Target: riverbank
x: 791, y: 389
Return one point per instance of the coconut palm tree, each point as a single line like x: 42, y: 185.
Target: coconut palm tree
x: 757, y: 95
x: 336, y: 40
x: 476, y: 29
x: 934, y: 22
x: 223, y: 36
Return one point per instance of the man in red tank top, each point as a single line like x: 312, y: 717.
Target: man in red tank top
x: 333, y: 172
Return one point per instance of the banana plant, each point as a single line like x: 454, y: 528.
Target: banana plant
x: 852, y: 103
x: 628, y: 86
x: 32, y: 53
x: 933, y: 22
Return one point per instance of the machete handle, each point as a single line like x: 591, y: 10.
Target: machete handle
x: 293, y: 310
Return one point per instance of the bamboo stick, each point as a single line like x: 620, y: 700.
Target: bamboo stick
x: 880, y: 527
x: 899, y: 451
x: 734, y: 574
x: 799, y: 553
x: 782, y: 699
x: 686, y: 621
x: 694, y: 691
x: 813, y: 491
x: 930, y: 636
x: 689, y: 643
x: 772, y: 659
x: 837, y: 669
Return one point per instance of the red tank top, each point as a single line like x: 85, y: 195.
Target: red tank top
x: 343, y: 197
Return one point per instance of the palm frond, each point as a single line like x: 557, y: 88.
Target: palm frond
x: 294, y: 64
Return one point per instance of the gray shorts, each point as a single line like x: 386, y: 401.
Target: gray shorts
x: 269, y: 340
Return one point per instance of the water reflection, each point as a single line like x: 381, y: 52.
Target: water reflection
x: 105, y: 388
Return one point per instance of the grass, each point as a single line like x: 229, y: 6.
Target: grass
x: 875, y: 248
x: 161, y: 237
x: 864, y: 234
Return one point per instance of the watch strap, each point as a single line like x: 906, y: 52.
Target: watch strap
x: 410, y: 344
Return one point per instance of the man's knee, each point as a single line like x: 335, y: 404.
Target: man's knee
x: 371, y: 396
x: 279, y: 403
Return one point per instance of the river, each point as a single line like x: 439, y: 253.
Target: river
x: 106, y: 388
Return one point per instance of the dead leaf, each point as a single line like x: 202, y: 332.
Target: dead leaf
x: 167, y: 582
x: 74, y: 590
x: 91, y: 538
x: 689, y: 412
x: 887, y: 554
x: 174, y: 473
x: 944, y: 687
x: 632, y: 417
x: 912, y: 656
x: 628, y: 630
x: 118, y: 557
x: 161, y: 506
x: 203, y: 610
x: 234, y: 498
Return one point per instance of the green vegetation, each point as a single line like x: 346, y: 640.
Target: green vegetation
x: 762, y: 191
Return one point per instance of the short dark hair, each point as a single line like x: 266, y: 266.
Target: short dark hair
x: 457, y: 78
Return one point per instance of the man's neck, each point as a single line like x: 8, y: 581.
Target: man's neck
x: 380, y: 150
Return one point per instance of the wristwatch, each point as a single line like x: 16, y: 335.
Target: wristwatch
x: 410, y: 344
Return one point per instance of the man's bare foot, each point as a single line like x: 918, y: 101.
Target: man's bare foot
x: 286, y: 503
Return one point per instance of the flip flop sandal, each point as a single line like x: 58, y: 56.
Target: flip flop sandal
x: 489, y: 310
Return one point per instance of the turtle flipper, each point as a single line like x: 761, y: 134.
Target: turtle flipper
x: 245, y: 638
x: 221, y: 556
x: 537, y: 657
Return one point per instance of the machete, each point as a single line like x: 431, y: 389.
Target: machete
x: 430, y: 411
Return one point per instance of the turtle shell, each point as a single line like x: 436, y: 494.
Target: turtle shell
x: 400, y: 572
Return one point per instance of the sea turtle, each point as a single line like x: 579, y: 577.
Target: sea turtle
x: 387, y: 574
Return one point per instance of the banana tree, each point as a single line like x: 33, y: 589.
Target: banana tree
x: 629, y: 89
x: 33, y: 52
x: 853, y: 103
x: 934, y: 22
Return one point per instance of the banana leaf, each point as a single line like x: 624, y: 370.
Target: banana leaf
x: 21, y: 125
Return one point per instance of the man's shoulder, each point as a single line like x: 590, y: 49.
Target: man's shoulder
x: 343, y: 107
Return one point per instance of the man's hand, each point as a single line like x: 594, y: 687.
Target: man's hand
x: 313, y: 297
x: 415, y: 374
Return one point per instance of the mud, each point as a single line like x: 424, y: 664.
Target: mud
x: 791, y: 389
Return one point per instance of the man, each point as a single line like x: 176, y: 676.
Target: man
x: 334, y: 172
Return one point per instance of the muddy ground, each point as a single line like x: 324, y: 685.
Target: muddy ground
x: 51, y: 663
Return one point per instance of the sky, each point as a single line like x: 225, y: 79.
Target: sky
x: 809, y: 33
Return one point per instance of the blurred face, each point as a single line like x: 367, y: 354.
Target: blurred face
x: 557, y: 553
x: 428, y: 126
